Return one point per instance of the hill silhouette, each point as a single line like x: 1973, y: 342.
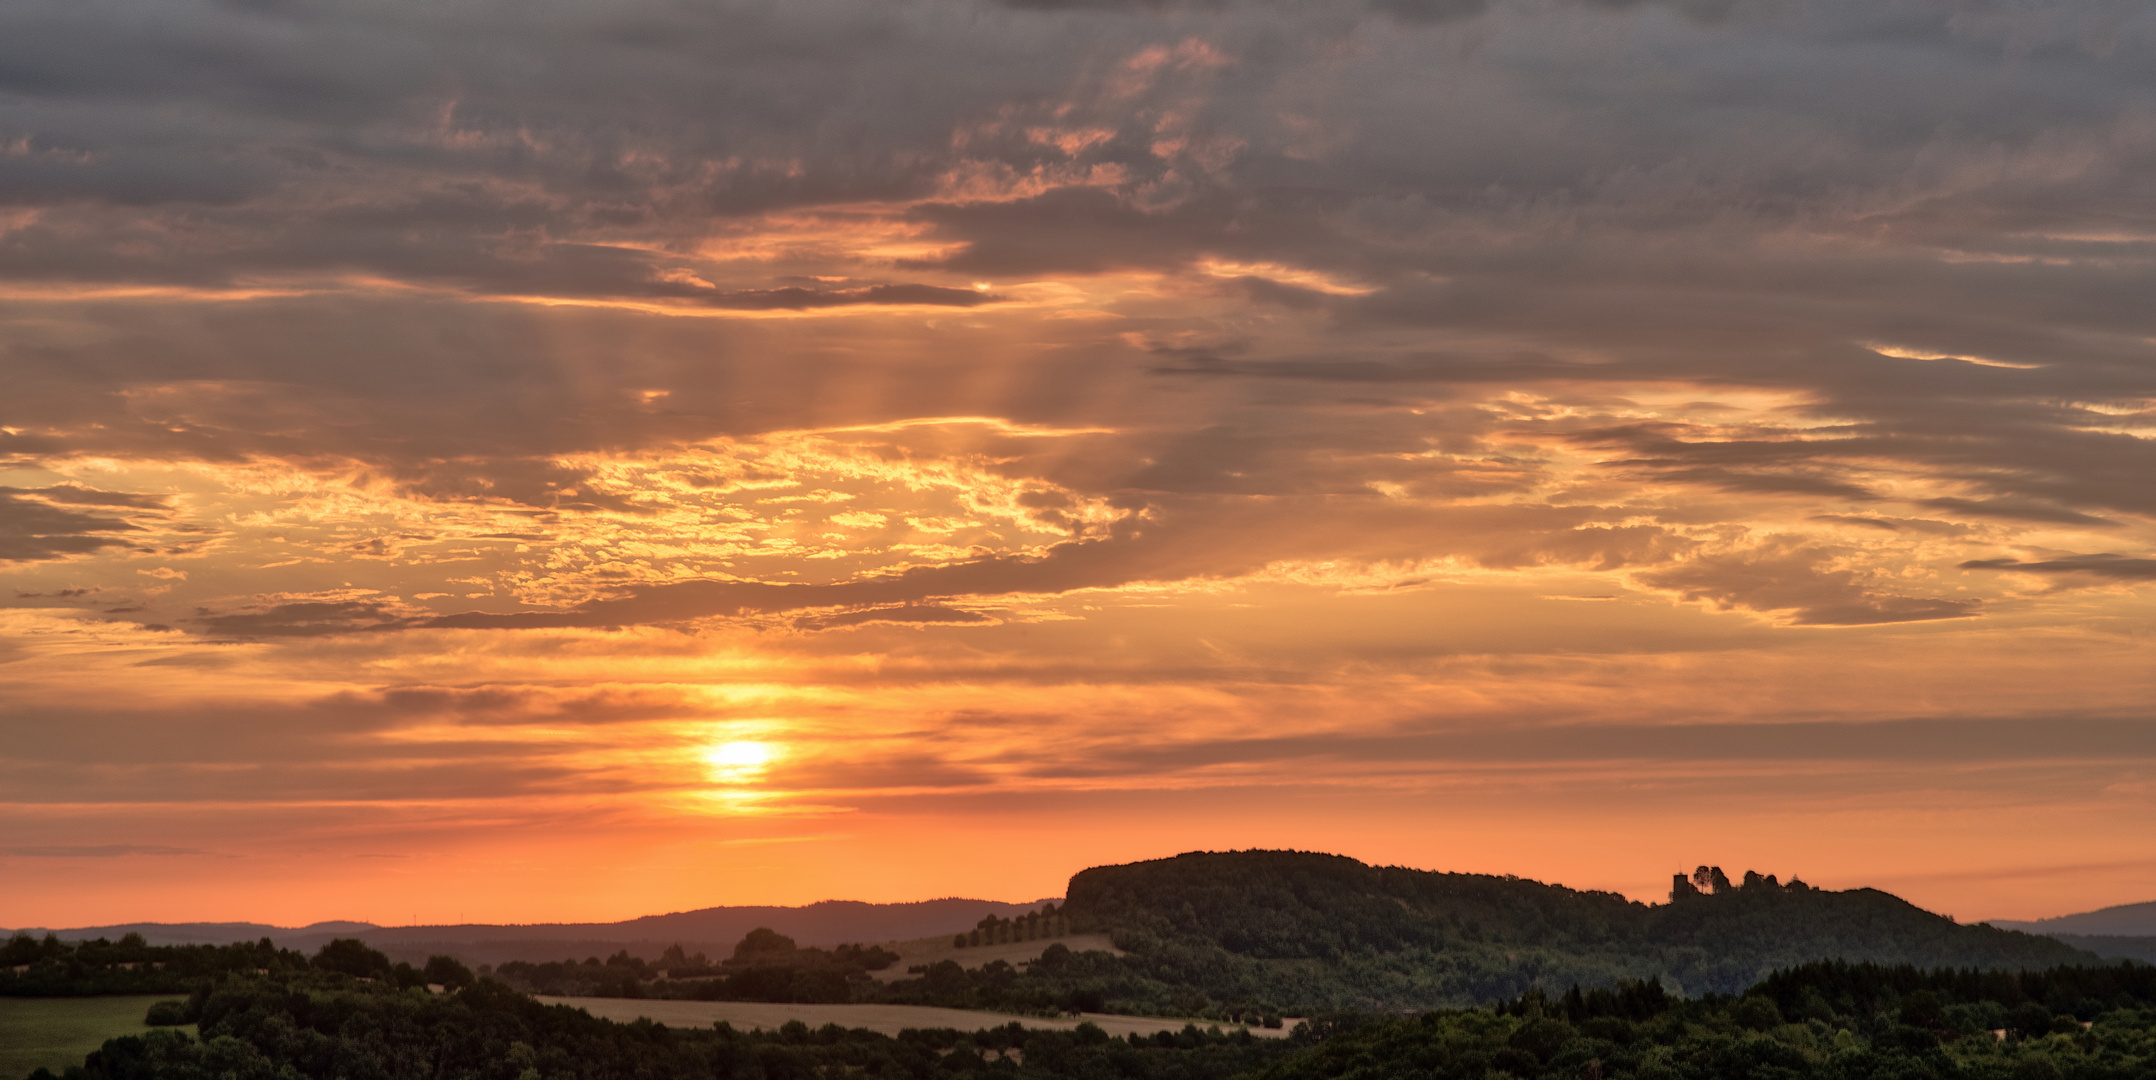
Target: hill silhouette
x: 2122, y: 920
x: 1326, y: 929
x: 714, y: 929
x: 1265, y: 933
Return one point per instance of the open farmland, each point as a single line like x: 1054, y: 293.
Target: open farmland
x: 54, y: 1033
x: 888, y: 1019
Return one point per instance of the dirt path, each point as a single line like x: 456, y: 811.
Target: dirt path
x: 888, y: 1019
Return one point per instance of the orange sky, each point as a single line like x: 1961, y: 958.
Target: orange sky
x: 459, y: 464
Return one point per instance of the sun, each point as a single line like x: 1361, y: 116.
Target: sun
x: 739, y: 762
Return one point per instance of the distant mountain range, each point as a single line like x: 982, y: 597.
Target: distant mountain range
x: 712, y: 930
x: 2125, y: 920
x: 2127, y: 931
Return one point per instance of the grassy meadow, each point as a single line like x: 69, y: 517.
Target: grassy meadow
x: 57, y: 1032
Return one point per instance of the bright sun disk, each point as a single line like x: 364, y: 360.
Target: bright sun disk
x: 736, y: 762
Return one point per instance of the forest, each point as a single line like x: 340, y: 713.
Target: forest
x: 1312, y: 931
x: 1824, y: 1020
x: 1829, y: 1020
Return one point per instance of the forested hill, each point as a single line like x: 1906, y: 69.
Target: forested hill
x: 1406, y: 937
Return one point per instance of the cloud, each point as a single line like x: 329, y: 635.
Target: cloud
x: 907, y: 615
x: 307, y: 618
x: 95, y: 851
x: 1781, y: 576
x: 1930, y: 740
x: 1078, y: 564
x: 796, y: 299
x: 515, y: 704
x: 1423, y: 11
x: 2019, y: 511
x: 2119, y: 567
x: 33, y: 529
x: 77, y: 495
x: 1200, y: 540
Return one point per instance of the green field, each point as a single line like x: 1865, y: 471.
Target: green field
x: 57, y: 1032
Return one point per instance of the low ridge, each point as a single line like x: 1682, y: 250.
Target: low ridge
x: 1359, y: 935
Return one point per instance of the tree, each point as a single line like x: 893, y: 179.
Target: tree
x: 449, y: 972
x: 762, y: 942
x: 351, y: 956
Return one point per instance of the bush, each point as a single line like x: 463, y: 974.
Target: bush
x: 167, y: 1014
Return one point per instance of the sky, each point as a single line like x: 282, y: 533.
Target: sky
x: 570, y: 460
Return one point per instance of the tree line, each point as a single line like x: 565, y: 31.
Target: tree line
x: 1823, y: 1021
x: 1048, y: 922
x: 765, y: 966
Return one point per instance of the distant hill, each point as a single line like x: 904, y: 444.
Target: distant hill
x: 2124, y: 920
x: 713, y: 930
x: 1284, y: 925
x: 2113, y: 947
x: 202, y: 933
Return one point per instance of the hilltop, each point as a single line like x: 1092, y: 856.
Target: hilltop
x: 1328, y: 929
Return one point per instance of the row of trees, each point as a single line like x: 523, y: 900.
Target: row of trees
x: 351, y: 956
x: 1031, y: 926
x: 49, y: 967
x: 1711, y: 881
x: 765, y: 966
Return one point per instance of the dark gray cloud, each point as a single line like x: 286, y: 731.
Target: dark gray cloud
x: 1785, y: 577
x: 2116, y: 567
x: 304, y: 619
x: 1920, y: 740
x: 95, y: 851
x: 2017, y: 511
x: 32, y: 528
